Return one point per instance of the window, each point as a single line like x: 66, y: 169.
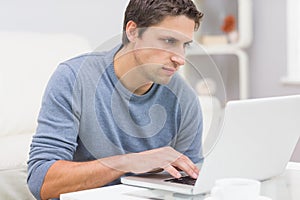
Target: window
x: 293, y: 42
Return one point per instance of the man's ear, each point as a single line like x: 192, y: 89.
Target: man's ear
x: 131, y: 31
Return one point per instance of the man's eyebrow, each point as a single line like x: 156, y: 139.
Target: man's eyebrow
x: 175, y: 38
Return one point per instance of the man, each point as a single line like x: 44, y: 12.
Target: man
x: 123, y: 111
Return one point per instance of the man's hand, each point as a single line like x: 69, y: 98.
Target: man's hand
x: 165, y: 158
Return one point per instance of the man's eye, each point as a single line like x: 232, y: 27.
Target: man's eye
x: 170, y: 41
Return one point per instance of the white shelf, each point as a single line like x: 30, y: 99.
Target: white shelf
x: 207, y: 49
x: 243, y: 69
x: 243, y: 21
x: 229, y: 55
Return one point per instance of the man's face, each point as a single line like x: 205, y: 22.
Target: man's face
x: 160, y: 50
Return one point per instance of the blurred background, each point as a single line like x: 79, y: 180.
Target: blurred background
x: 99, y: 21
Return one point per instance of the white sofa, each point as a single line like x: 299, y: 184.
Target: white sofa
x: 26, y: 62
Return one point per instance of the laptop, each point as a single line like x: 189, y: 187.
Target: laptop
x: 256, y: 141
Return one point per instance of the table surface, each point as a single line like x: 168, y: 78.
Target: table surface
x: 283, y: 187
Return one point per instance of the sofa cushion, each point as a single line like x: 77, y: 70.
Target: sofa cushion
x: 26, y: 63
x: 13, y: 167
x: 13, y: 185
x: 14, y: 151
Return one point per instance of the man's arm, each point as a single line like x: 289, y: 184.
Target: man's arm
x: 67, y: 176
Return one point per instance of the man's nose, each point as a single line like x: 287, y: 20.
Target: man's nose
x: 178, y: 59
x: 179, y: 55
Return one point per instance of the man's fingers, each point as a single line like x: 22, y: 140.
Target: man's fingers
x: 186, y: 165
x: 167, y: 158
x: 172, y: 171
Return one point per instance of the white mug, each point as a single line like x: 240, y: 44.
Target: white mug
x: 236, y: 189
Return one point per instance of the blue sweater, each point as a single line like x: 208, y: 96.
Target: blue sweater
x: 88, y: 114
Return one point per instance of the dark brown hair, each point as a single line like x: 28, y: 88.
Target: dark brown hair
x: 147, y: 13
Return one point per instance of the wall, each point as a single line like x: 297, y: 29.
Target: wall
x: 268, y: 51
x: 267, y: 54
x: 93, y: 19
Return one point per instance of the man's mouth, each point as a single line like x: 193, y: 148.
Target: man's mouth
x: 169, y: 71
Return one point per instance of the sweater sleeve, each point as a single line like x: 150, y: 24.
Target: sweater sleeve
x: 57, y: 131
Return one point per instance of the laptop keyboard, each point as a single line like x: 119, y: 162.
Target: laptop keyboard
x: 183, y: 180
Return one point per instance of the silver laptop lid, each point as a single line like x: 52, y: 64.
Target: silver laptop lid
x: 257, y: 139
